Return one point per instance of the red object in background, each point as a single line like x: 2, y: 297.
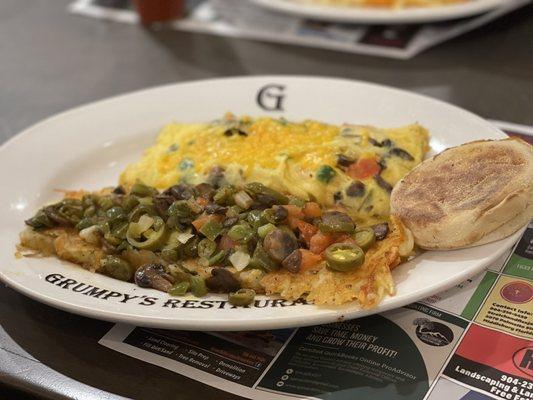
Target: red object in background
x: 151, y: 11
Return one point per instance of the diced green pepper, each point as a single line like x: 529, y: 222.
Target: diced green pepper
x: 262, y: 260
x: 117, y: 268
x: 142, y: 190
x: 325, y: 173
x: 198, y: 287
x: 241, y: 233
x: 264, y: 230
x: 211, y: 229
x: 206, y: 248
x: 179, y: 289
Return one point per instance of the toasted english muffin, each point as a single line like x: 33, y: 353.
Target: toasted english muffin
x: 468, y: 195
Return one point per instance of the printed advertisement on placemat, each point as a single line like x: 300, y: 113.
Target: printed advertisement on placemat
x: 471, y: 342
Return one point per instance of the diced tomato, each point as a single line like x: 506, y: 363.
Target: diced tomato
x: 363, y: 168
x: 294, y: 211
x: 226, y: 243
x: 312, y: 210
x: 293, y: 222
x: 309, y: 259
x: 202, y: 201
x: 307, y: 230
x: 320, y: 241
x: 200, y: 221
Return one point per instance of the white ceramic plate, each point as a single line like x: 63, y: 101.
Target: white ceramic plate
x: 87, y: 147
x: 369, y: 15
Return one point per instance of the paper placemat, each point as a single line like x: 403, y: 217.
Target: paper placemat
x: 471, y: 342
x: 238, y: 18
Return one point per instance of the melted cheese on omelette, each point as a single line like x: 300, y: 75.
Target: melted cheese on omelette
x: 286, y: 156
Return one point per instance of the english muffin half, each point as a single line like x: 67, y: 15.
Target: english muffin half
x: 468, y: 195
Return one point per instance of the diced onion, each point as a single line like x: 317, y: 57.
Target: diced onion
x: 243, y: 199
x: 239, y: 260
x: 184, y: 237
x: 408, y: 244
x: 136, y: 229
x: 145, y: 222
x: 91, y: 234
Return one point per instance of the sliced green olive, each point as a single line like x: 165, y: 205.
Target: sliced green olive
x: 242, y: 297
x: 344, y: 257
x: 365, y: 237
x: 336, y: 222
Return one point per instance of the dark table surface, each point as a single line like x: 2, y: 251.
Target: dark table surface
x: 51, y: 61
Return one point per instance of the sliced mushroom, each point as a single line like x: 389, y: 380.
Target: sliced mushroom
x: 279, y: 243
x: 162, y: 202
x: 222, y: 281
x: 293, y: 261
x: 180, y: 192
x: 214, y: 208
x: 154, y: 276
x: 204, y: 190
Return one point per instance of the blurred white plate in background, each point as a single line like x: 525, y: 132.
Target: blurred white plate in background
x: 377, y: 15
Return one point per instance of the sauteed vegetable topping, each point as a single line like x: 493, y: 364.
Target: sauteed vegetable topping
x: 149, y: 236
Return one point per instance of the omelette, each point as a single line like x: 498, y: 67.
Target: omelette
x: 351, y: 165
x: 246, y: 206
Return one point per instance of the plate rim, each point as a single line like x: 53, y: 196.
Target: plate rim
x: 364, y: 15
x: 267, y: 322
